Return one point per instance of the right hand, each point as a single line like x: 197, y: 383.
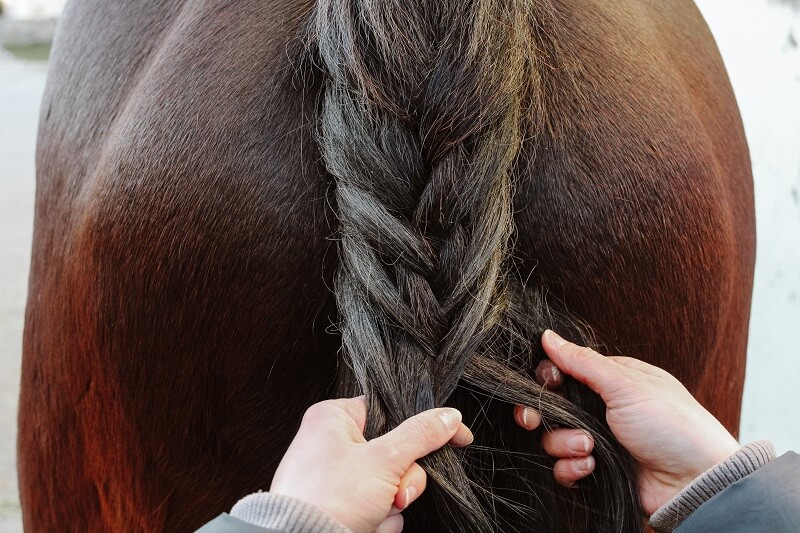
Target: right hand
x: 364, y: 485
x: 670, y: 435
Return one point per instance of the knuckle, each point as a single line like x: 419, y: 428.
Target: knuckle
x: 391, y: 453
x: 549, y: 443
x: 562, y: 472
x: 320, y: 412
x: 385, y: 451
x: 318, y: 409
x: 427, y: 428
x: 584, y: 354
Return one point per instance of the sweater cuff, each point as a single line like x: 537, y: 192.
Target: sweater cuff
x: 713, y: 481
x: 284, y: 513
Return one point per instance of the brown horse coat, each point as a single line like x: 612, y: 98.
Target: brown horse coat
x: 179, y: 290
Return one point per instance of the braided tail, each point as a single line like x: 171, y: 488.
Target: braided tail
x: 420, y: 126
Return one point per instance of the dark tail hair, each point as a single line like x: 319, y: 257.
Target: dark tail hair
x: 423, y: 111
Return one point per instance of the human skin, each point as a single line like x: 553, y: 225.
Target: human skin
x: 364, y: 485
x: 672, y: 437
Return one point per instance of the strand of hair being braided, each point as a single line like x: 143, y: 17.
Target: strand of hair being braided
x: 420, y: 127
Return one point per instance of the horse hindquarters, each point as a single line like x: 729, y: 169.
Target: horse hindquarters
x: 178, y: 301
x: 180, y: 274
x: 637, y: 211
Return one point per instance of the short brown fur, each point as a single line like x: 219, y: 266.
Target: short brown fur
x: 179, y: 291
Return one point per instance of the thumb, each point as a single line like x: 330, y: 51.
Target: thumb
x: 598, y: 372
x: 420, y: 435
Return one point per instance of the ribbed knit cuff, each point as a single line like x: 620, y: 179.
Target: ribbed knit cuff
x: 275, y: 511
x: 713, y: 481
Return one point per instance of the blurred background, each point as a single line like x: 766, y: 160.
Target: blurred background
x: 760, y: 43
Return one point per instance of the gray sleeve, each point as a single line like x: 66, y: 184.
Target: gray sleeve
x: 225, y: 523
x: 743, y: 463
x: 768, y: 500
x: 286, y: 514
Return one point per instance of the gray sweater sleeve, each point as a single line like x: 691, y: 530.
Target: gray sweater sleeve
x: 275, y: 512
x: 286, y: 514
x: 739, y: 465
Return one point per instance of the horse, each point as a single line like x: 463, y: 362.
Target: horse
x: 243, y: 208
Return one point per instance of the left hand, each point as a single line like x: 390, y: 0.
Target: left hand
x: 672, y: 438
x: 363, y: 485
x: 572, y: 448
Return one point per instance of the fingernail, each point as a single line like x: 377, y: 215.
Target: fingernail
x: 471, y: 437
x: 553, y: 374
x: 556, y: 338
x: 530, y: 418
x: 451, y: 418
x: 411, y: 492
x: 578, y: 443
x: 586, y: 464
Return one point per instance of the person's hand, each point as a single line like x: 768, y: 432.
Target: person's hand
x: 671, y: 436
x: 363, y: 485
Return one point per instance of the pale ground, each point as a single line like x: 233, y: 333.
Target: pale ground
x: 21, y: 88
x: 26, y: 9
x: 756, y: 42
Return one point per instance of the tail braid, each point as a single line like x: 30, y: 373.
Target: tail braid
x: 420, y: 127
x: 424, y: 197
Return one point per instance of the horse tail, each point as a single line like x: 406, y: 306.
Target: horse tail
x: 423, y: 111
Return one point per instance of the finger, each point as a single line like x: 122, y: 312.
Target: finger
x: 568, y: 471
x: 418, y: 436
x: 584, y: 364
x: 463, y: 437
x: 638, y: 365
x: 527, y: 417
x: 412, y: 484
x: 568, y: 443
x: 391, y: 524
x: 548, y: 375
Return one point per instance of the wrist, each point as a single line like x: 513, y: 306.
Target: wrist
x: 285, y: 513
x: 705, y: 443
x: 665, y: 480
x: 710, y: 455
x: 744, y: 462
